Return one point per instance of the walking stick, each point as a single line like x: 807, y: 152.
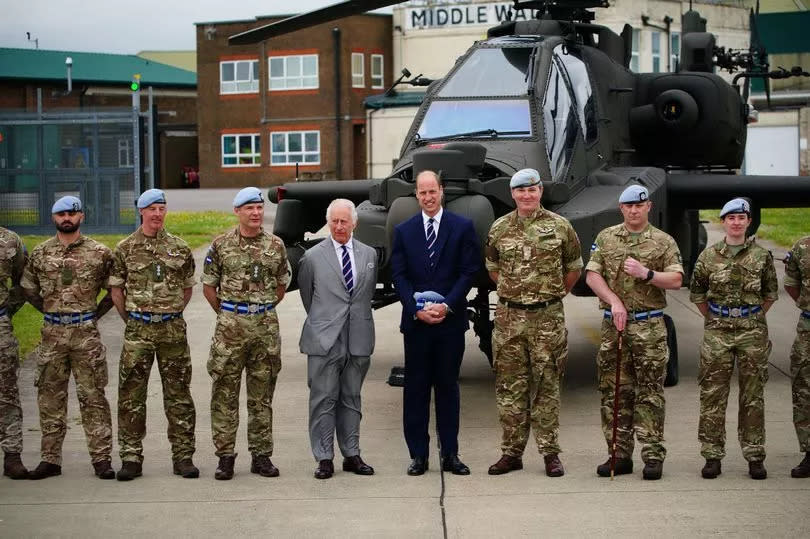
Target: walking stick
x: 616, y: 404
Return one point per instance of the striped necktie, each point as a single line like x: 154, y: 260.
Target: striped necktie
x: 431, y: 242
x: 347, y: 270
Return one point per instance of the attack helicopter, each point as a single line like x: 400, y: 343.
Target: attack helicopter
x: 554, y: 92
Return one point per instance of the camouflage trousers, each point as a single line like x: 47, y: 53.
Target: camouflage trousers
x: 641, y: 405
x: 10, y: 410
x: 77, y: 349
x: 251, y: 343
x: 800, y: 376
x: 142, y: 342
x: 530, y: 349
x: 726, y: 341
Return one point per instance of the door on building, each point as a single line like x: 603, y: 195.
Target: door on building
x: 772, y: 151
x: 359, y: 147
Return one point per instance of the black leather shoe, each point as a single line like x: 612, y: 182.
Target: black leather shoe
x: 712, y: 469
x: 45, y: 469
x: 506, y: 464
x: 453, y: 465
x: 103, y: 469
x: 803, y: 469
x: 325, y: 469
x: 419, y: 466
x: 355, y: 464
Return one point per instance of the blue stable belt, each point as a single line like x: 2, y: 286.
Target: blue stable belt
x: 805, y: 314
x: 153, y: 317
x: 64, y: 319
x: 734, y: 312
x: 3, y: 311
x: 246, y: 308
x: 638, y: 316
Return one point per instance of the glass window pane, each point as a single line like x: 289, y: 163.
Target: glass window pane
x: 228, y: 144
x: 357, y: 63
x: 294, y: 142
x: 311, y: 158
x: 229, y: 160
x: 227, y: 71
x: 311, y: 142
x: 656, y: 42
x: 310, y: 82
x: 376, y: 65
x: 228, y: 87
x: 310, y: 65
x: 277, y: 84
x: 293, y: 66
x: 295, y: 158
x: 294, y: 82
x: 257, y: 143
x: 255, y: 70
x: 244, y: 86
x: 245, y: 144
x: 278, y: 159
x: 277, y: 141
x: 242, y: 71
x: 276, y: 67
x: 491, y: 72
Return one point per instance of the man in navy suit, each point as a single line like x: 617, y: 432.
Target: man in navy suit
x: 434, y: 251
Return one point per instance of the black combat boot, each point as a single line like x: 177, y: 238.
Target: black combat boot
x: 103, y: 469
x: 623, y: 466
x: 263, y: 466
x: 225, y: 468
x: 712, y: 469
x: 186, y: 468
x: 653, y: 470
x: 13, y: 467
x: 756, y: 469
x: 800, y: 471
x: 129, y: 470
x: 45, y: 469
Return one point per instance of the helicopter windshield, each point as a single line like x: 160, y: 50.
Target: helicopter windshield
x: 509, y: 117
x: 491, y: 72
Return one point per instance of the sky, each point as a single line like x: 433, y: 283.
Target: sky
x: 126, y: 27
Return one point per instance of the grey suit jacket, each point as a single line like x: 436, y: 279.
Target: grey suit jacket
x: 328, y: 304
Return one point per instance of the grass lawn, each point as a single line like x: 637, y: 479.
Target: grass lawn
x: 782, y: 226
x: 197, y: 228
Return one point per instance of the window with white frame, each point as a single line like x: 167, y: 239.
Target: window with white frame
x: 377, y: 71
x: 358, y: 73
x: 674, y: 51
x: 124, y: 153
x: 655, y: 38
x: 290, y: 147
x: 298, y: 72
x: 239, y: 77
x: 241, y: 150
x: 634, y: 55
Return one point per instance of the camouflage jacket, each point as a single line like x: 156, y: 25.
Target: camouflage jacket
x: 12, y: 264
x: 68, y: 278
x: 532, y: 255
x: 797, y: 274
x: 747, y: 278
x: 153, y: 271
x: 246, y: 269
x: 652, y: 247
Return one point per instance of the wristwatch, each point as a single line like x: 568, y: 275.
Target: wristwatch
x: 650, y: 275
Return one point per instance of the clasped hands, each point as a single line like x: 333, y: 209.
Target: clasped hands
x: 432, y: 314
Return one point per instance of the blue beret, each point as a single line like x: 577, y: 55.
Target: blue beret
x: 634, y: 194
x: 524, y: 178
x: 67, y: 203
x: 151, y: 196
x: 737, y: 205
x: 248, y: 195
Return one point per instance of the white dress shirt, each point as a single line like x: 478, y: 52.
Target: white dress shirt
x: 436, y: 221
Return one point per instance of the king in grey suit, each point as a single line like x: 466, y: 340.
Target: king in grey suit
x: 337, y: 279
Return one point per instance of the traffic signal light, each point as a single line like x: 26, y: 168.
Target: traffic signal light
x: 135, y: 85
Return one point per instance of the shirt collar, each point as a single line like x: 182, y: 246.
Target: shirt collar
x: 623, y: 231
x: 725, y: 249
x: 338, y: 246
x: 436, y: 218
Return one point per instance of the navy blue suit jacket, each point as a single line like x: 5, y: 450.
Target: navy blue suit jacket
x: 458, y: 258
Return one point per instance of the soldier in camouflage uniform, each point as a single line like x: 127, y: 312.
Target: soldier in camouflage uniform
x: 733, y: 285
x: 12, y: 263
x: 63, y: 278
x: 151, y: 283
x: 534, y: 257
x: 797, y: 285
x: 244, y: 277
x: 631, y: 265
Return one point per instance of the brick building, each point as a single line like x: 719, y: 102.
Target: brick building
x: 294, y: 99
x: 100, y: 82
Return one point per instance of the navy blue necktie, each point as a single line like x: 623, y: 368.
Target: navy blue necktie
x: 347, y: 270
x: 431, y: 241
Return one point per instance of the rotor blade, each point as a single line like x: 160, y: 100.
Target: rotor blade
x: 305, y: 20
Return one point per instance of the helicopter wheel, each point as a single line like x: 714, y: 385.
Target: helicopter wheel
x: 672, y: 343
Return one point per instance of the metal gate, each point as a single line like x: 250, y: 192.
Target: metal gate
x: 96, y: 156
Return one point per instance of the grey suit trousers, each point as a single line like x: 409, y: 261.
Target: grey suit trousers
x: 335, y: 381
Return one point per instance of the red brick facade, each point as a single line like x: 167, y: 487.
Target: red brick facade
x: 305, y: 111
